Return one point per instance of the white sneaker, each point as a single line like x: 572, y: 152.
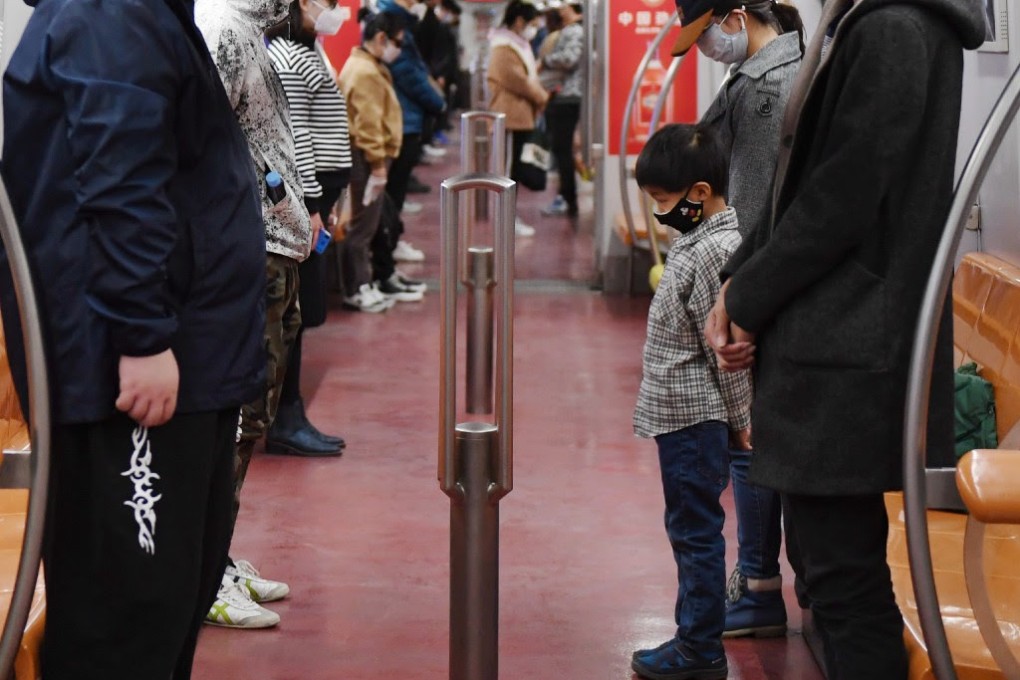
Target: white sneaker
x: 408, y: 282
x: 234, y: 609
x: 412, y: 208
x: 367, y: 299
x: 433, y: 151
x: 381, y: 297
x: 405, y: 252
x: 394, y: 289
x: 260, y: 589
x: 522, y: 229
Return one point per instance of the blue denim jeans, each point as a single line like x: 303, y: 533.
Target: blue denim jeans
x: 759, y: 518
x: 694, y: 463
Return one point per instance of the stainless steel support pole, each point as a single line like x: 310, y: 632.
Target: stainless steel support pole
x: 474, y: 558
x: 475, y: 158
x: 41, y: 436
x: 476, y: 459
x: 915, y: 423
x: 481, y: 263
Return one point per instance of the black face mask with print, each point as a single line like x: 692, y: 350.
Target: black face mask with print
x: 685, y: 216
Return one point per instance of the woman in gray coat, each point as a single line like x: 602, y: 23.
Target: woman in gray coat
x: 764, y: 43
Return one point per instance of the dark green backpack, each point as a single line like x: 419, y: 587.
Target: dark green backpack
x: 975, y: 411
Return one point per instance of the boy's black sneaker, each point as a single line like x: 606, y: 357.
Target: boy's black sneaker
x: 673, y: 660
x: 416, y: 186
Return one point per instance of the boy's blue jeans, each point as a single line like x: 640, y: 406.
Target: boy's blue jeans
x: 694, y: 463
x: 759, y: 520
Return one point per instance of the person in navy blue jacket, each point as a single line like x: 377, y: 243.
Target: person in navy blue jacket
x: 419, y: 96
x: 135, y: 195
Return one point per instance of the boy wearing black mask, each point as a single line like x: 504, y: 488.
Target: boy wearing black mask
x: 694, y: 411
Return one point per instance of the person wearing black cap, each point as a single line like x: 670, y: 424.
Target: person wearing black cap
x: 764, y: 42
x: 824, y: 298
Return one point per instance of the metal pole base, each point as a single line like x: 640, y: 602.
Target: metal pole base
x: 474, y: 557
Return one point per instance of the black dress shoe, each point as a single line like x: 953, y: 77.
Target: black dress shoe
x: 302, y: 442
x: 416, y: 186
x: 328, y: 438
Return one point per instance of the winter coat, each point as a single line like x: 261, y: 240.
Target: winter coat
x: 514, y: 88
x: 233, y: 30
x: 372, y: 107
x: 135, y: 196
x: 747, y: 115
x: 833, y: 289
x: 566, y: 60
x: 415, y: 90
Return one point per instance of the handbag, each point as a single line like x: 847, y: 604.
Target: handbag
x: 532, y: 166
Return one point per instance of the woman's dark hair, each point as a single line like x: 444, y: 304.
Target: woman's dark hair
x: 782, y: 17
x: 518, y: 8
x: 383, y: 22
x: 291, y: 28
x: 679, y: 156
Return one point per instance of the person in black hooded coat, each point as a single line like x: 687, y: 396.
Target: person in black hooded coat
x: 829, y: 293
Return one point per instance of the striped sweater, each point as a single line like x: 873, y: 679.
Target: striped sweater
x: 318, y: 112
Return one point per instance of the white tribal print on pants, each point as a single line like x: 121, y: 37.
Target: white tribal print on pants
x: 143, y: 502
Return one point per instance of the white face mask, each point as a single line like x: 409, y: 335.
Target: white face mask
x: 419, y: 10
x: 529, y: 32
x: 390, y: 53
x: 329, y: 20
x: 726, y: 48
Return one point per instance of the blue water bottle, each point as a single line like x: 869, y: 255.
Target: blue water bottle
x: 274, y: 187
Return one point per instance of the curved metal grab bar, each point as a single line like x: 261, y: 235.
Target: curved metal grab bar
x: 506, y: 202
x: 40, y: 432
x: 919, y: 385
x: 628, y: 214
x: 660, y: 106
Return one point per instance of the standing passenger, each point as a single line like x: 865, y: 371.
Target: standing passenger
x: 764, y: 43
x: 564, y: 110
x: 376, y: 131
x: 514, y: 87
x: 695, y: 412
x: 136, y: 198
x: 233, y: 31
x: 830, y: 291
x: 323, y: 152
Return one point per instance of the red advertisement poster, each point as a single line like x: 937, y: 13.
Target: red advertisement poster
x: 633, y: 25
x: 338, y: 47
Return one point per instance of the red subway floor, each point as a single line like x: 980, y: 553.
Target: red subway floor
x: 586, y: 573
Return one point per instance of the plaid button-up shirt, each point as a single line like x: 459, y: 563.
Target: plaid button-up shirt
x: 682, y: 384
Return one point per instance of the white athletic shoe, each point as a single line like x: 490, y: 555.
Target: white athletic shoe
x: 234, y: 609
x: 434, y: 152
x: 405, y: 252
x: 367, y: 299
x: 412, y: 208
x: 523, y: 229
x: 260, y: 589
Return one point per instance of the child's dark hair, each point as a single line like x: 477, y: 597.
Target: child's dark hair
x: 518, y: 8
x: 383, y: 22
x: 782, y: 17
x: 679, y: 156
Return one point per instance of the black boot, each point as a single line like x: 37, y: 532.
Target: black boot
x: 288, y: 435
x: 327, y: 438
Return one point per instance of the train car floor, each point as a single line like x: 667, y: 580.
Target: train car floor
x: 586, y: 571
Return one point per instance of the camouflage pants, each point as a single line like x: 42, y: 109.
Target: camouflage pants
x: 283, y: 320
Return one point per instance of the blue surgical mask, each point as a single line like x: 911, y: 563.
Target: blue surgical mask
x: 726, y: 48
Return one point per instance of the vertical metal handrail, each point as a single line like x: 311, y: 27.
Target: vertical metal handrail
x: 476, y: 458
x: 41, y: 436
x: 919, y: 384
x: 506, y: 196
x: 588, y: 73
x: 628, y: 112
x: 470, y: 163
x: 660, y: 106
